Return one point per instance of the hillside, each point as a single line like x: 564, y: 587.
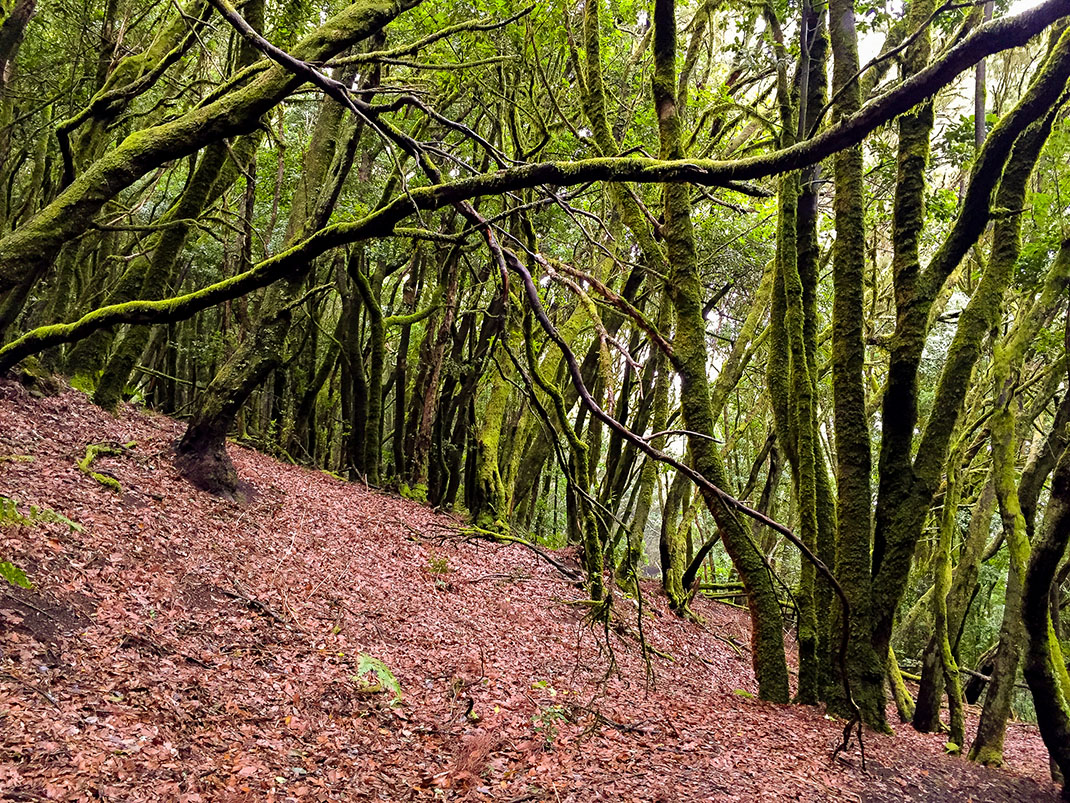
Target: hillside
x: 180, y: 647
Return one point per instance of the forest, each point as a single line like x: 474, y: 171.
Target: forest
x: 756, y: 305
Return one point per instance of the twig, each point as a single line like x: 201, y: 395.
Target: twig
x: 32, y: 687
x: 601, y: 718
x: 255, y: 604
x: 160, y: 649
x: 477, y: 532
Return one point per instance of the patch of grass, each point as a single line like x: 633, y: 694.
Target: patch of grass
x: 438, y: 564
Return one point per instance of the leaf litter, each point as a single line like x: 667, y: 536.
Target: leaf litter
x: 328, y: 642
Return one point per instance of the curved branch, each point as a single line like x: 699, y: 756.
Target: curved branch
x: 987, y: 39
x: 730, y: 501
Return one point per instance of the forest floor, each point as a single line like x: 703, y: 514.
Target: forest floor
x: 181, y: 647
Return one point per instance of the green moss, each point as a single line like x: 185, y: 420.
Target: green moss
x: 941, y: 589
x: 95, y: 450
x: 418, y: 492
x: 84, y: 383
x: 26, y: 253
x: 658, y: 423
x: 1044, y: 669
x: 576, y: 473
x: 904, y: 704
x: 490, y: 500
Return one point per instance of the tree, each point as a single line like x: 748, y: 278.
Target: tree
x: 589, y: 277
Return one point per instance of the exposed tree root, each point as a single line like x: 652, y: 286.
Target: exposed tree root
x: 95, y: 450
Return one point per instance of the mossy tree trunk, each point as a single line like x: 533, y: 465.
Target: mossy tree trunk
x: 926, y: 716
x: 201, y: 454
x: 1045, y: 669
x: 770, y: 665
x: 370, y: 289
x: 423, y: 405
x: 14, y: 17
x: 27, y: 253
x: 354, y: 374
x: 904, y: 704
x: 456, y: 420
x: 853, y: 465
x: 491, y: 500
x: 672, y: 547
x: 941, y: 588
x: 987, y: 746
x: 909, y: 480
x: 791, y: 371
x: 813, y: 80
x: 648, y: 476
x: 401, y: 369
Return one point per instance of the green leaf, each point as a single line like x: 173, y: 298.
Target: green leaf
x: 382, y: 673
x: 14, y: 575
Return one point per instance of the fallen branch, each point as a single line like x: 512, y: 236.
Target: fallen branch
x: 132, y: 639
x: 575, y: 710
x: 95, y: 450
x: 489, y: 535
x: 32, y: 687
x: 255, y: 604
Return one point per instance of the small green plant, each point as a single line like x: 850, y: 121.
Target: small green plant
x: 546, y: 722
x: 438, y: 564
x: 10, y: 515
x: 14, y: 575
x: 384, y: 678
x: 9, y: 512
x: 47, y: 515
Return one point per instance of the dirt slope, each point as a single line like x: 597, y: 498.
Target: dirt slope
x: 185, y: 648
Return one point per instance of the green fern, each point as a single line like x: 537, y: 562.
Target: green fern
x: 46, y: 515
x: 10, y: 515
x: 384, y: 677
x: 14, y: 575
x: 9, y: 512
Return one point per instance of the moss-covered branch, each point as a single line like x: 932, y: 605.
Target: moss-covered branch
x: 95, y: 450
x: 25, y: 253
